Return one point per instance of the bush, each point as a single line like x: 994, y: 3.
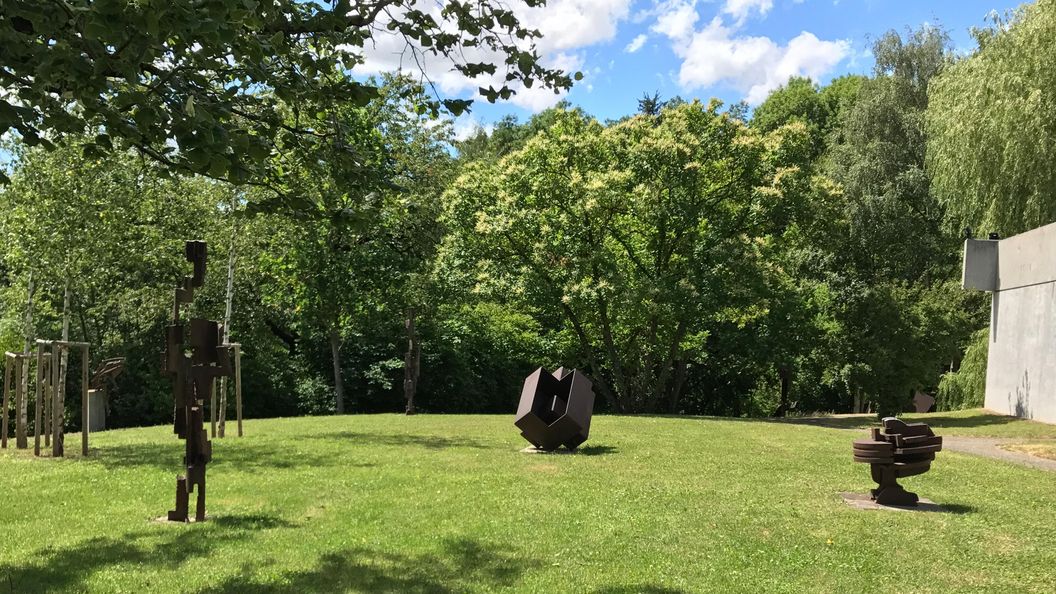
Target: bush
x: 966, y: 387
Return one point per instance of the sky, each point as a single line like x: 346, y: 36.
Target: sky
x: 730, y: 49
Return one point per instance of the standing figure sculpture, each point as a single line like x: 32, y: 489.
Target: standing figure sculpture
x: 192, y: 377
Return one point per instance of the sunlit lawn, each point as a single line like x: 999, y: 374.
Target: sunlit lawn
x: 448, y: 504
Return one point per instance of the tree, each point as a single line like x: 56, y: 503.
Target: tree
x: 642, y: 235
x: 899, y: 318
x: 341, y: 249
x: 650, y: 105
x: 992, y: 128
x: 102, y: 239
x: 210, y: 87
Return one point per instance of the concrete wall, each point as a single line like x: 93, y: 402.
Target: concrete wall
x: 1021, y: 273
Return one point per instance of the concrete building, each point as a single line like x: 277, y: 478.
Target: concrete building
x: 1020, y: 272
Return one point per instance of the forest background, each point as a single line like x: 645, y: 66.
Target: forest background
x: 692, y: 258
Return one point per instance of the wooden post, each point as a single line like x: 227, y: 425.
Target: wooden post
x: 21, y: 442
x: 38, y: 406
x: 212, y: 407
x: 47, y: 398
x: 57, y: 407
x: 223, y: 404
x: 84, y: 400
x: 238, y: 387
x: 7, y: 401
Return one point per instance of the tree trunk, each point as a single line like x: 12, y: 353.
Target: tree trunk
x: 785, y: 375
x: 339, y: 384
x: 64, y: 358
x: 226, y: 336
x: 23, y: 411
x: 623, y: 394
x: 230, y: 283
x: 411, y: 363
x: 676, y: 389
x: 662, y: 379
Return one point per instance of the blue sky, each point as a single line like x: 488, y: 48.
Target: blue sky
x: 730, y: 49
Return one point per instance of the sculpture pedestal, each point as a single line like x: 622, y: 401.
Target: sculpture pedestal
x: 535, y: 450
x: 864, y: 501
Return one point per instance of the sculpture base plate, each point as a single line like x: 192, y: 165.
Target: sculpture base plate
x: 864, y: 501
x: 535, y: 450
x: 165, y: 520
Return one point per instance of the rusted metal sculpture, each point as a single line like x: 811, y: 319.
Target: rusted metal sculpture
x: 899, y: 450
x: 922, y: 402
x: 107, y: 373
x: 555, y: 409
x: 192, y: 383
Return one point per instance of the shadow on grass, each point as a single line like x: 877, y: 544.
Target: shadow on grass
x: 462, y: 565
x: 958, y: 509
x: 596, y: 450
x: 934, y: 420
x: 169, y: 456
x: 429, y: 442
x: 68, y: 568
x: 250, y: 522
x: 644, y: 589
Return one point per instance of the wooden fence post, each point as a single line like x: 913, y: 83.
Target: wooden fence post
x: 20, y: 406
x: 7, y: 401
x: 223, y: 405
x: 38, y: 406
x: 212, y: 407
x: 238, y: 387
x: 57, y: 407
x: 47, y: 398
x: 84, y: 400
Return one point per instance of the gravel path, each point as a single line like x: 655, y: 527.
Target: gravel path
x: 990, y: 448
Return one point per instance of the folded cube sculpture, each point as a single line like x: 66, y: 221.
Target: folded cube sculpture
x: 555, y: 409
x: 899, y: 450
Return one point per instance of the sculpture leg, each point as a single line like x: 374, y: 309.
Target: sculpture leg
x: 180, y: 513
x: 199, y: 512
x: 889, y: 492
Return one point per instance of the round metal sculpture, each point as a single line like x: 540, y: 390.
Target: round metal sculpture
x: 899, y: 450
x: 555, y: 409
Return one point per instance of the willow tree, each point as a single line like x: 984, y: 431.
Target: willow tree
x: 991, y: 123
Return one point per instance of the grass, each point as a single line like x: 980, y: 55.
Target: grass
x: 1039, y: 449
x: 447, y: 504
x: 968, y: 423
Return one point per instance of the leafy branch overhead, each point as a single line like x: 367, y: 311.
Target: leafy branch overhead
x: 205, y: 86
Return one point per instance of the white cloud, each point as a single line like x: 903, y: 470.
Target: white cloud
x: 636, y: 43
x: 676, y: 19
x: 741, y: 9
x: 566, y: 25
x: 719, y: 54
x: 468, y: 125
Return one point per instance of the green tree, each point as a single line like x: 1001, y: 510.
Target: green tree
x: 899, y: 318
x: 102, y: 239
x: 342, y: 248
x: 992, y: 128
x: 208, y: 87
x: 642, y: 235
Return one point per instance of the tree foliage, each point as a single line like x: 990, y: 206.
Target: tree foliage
x: 208, y: 87
x: 643, y: 234
x: 992, y: 127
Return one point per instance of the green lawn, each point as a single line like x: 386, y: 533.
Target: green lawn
x: 448, y: 504
x: 968, y: 423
